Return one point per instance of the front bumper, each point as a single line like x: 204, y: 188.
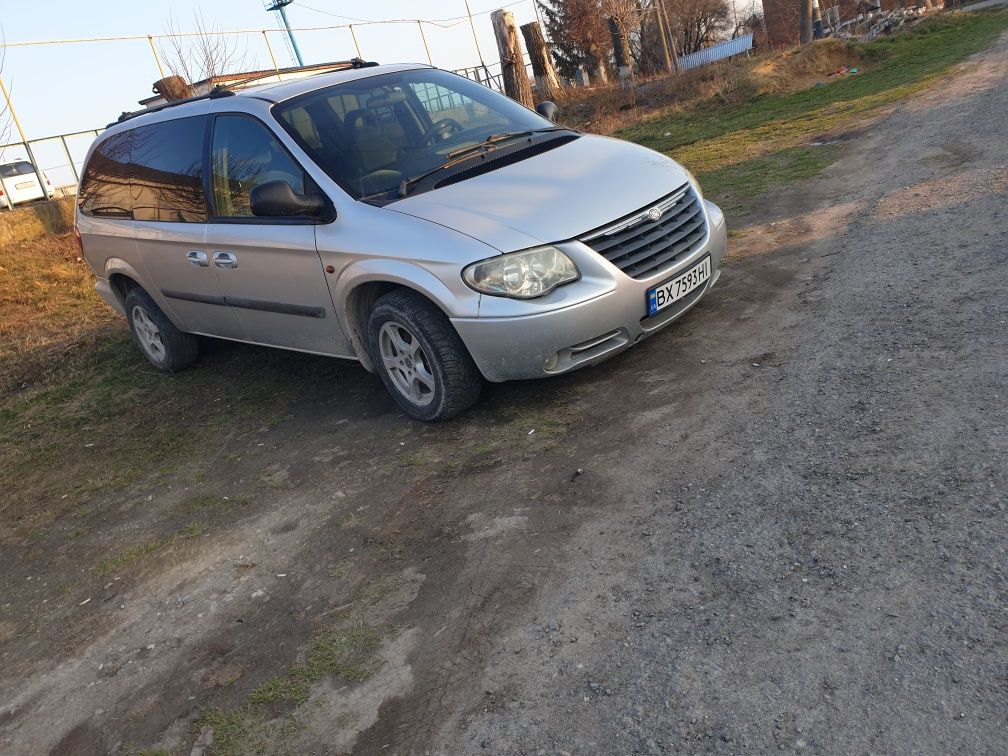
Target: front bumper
x: 559, y: 340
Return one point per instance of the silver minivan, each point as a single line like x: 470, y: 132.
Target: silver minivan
x: 399, y: 215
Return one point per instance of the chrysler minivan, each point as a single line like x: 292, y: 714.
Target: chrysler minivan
x: 399, y: 215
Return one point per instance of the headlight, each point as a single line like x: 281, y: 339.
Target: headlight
x: 522, y: 275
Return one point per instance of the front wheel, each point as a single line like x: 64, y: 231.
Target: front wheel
x: 420, y: 357
x: 165, y: 346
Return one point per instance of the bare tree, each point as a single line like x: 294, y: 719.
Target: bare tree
x: 750, y: 24
x: 203, y: 53
x: 698, y: 23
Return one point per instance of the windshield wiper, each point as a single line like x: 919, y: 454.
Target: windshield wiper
x: 464, y: 153
x: 503, y: 137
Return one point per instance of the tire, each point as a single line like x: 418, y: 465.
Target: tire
x: 165, y: 346
x: 427, y: 369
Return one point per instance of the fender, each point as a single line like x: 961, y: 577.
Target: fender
x: 116, y: 265
x: 462, y: 302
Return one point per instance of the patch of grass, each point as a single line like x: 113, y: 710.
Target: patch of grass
x: 129, y: 557
x: 213, y: 503
x: 235, y: 732
x: 754, y: 177
x: 348, y: 654
x: 413, y: 459
x: 137, y: 553
x: 718, y: 139
x: 349, y: 520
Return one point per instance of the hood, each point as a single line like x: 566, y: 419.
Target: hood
x: 552, y: 197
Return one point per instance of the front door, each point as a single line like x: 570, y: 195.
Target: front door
x: 268, y: 268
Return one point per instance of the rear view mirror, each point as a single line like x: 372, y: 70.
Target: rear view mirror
x: 276, y: 199
x: 547, y: 109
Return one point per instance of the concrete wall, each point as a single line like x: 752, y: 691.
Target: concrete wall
x: 35, y: 220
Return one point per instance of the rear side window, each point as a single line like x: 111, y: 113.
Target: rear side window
x: 105, y: 187
x: 166, y: 171
x: 21, y: 168
x: 244, y: 155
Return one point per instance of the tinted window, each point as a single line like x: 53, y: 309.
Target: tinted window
x: 245, y: 154
x: 22, y: 168
x: 167, y: 171
x: 105, y: 188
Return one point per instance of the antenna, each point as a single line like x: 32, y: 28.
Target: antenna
x: 279, y: 6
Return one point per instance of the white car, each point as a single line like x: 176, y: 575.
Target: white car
x: 18, y: 183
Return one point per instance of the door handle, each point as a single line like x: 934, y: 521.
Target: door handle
x: 225, y: 260
x: 197, y: 258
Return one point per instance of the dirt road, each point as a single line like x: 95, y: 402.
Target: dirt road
x: 788, y: 531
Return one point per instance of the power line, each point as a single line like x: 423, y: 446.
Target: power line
x: 444, y: 23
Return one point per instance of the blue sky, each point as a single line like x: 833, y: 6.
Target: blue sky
x: 63, y: 88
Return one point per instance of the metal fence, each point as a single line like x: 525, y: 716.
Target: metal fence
x: 720, y: 51
x: 59, y: 157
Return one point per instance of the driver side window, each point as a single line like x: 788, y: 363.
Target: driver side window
x: 243, y: 155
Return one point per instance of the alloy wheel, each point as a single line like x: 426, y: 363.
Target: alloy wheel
x: 406, y: 363
x: 148, y: 334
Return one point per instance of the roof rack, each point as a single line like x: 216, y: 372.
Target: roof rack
x: 340, y: 65
x: 213, y: 94
x: 222, y: 91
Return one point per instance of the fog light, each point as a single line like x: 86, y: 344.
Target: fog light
x: 551, y: 362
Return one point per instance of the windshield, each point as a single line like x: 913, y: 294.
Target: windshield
x: 10, y: 170
x: 371, y: 134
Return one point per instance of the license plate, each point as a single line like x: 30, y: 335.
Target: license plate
x: 664, y: 295
x: 24, y: 185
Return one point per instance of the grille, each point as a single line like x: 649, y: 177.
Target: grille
x: 641, y: 247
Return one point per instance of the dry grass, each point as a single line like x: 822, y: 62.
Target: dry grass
x: 46, y: 285
x: 802, y: 67
x: 604, y: 110
x: 48, y: 306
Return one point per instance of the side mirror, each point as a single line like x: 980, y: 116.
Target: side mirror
x: 547, y: 110
x: 276, y: 199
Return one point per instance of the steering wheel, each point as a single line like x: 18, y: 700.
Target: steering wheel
x: 442, y: 129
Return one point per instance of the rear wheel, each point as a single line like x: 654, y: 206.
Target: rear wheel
x: 165, y: 346
x: 420, y: 357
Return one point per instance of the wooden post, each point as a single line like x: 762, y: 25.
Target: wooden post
x: 547, y: 82
x: 805, y: 29
x: 516, y: 82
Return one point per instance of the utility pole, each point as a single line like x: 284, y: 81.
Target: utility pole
x: 280, y: 6
x: 660, y: 26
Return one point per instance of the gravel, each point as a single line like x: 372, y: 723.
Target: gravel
x: 802, y: 543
